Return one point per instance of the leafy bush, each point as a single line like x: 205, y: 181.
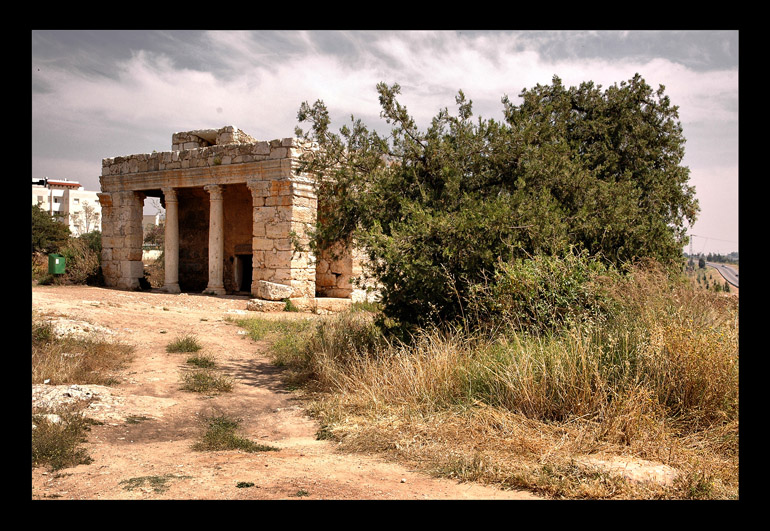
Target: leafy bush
x: 543, y: 293
x: 94, y: 240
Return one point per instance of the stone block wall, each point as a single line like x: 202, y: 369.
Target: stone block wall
x: 340, y: 273
x: 283, y: 213
x: 202, y: 157
x: 334, y: 272
x: 207, y: 137
x: 122, y: 235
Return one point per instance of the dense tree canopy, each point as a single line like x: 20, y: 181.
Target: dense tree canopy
x: 437, y: 210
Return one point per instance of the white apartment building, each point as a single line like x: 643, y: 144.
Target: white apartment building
x: 79, y: 208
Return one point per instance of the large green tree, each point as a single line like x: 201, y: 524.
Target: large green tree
x: 624, y: 192
x: 438, y: 209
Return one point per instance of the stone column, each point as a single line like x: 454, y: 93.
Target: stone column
x: 171, y: 247
x: 216, y: 240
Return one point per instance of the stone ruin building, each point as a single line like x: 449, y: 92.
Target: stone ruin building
x: 235, y: 208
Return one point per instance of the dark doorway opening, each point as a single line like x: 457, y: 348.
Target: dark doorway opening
x: 244, y: 269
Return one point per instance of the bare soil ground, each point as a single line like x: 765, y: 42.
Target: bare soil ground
x: 141, y: 448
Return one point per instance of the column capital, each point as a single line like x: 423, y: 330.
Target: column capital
x: 169, y: 194
x: 105, y: 199
x: 215, y: 191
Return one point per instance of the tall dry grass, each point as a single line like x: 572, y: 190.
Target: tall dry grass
x: 75, y: 360
x: 653, y: 376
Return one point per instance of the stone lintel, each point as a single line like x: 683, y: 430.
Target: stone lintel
x: 269, y: 170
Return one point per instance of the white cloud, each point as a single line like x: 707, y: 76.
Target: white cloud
x: 265, y: 87
x: 256, y: 81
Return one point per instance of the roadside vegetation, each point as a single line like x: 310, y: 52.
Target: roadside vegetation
x: 82, y: 254
x: 708, y: 278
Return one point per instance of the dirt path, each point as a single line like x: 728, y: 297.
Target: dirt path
x: 142, y: 448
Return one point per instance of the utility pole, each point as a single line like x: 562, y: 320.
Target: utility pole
x: 692, y: 263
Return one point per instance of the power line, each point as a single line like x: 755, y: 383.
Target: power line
x: 706, y: 239
x: 710, y: 238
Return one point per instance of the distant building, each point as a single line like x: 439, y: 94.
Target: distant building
x: 78, y: 208
x: 151, y: 220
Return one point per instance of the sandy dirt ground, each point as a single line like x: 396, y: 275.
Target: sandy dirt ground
x: 141, y: 448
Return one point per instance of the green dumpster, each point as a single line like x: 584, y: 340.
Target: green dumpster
x: 56, y: 264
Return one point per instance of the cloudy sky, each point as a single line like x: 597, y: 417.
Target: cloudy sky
x: 98, y: 94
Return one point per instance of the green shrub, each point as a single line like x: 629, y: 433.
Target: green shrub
x: 436, y: 209
x: 542, y: 293
x: 206, y: 381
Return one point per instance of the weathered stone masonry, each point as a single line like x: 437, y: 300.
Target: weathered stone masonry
x: 235, y: 208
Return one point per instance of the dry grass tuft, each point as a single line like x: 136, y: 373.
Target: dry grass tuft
x: 71, y: 359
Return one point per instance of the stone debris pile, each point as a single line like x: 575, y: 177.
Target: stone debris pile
x: 63, y: 327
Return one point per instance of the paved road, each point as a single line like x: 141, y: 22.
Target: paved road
x: 727, y: 272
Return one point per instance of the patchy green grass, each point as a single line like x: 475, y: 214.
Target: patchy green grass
x: 202, y: 361
x: 159, y: 484
x: 260, y: 328
x: 184, y: 343
x: 288, y: 344
x: 206, y: 381
x: 221, y: 434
